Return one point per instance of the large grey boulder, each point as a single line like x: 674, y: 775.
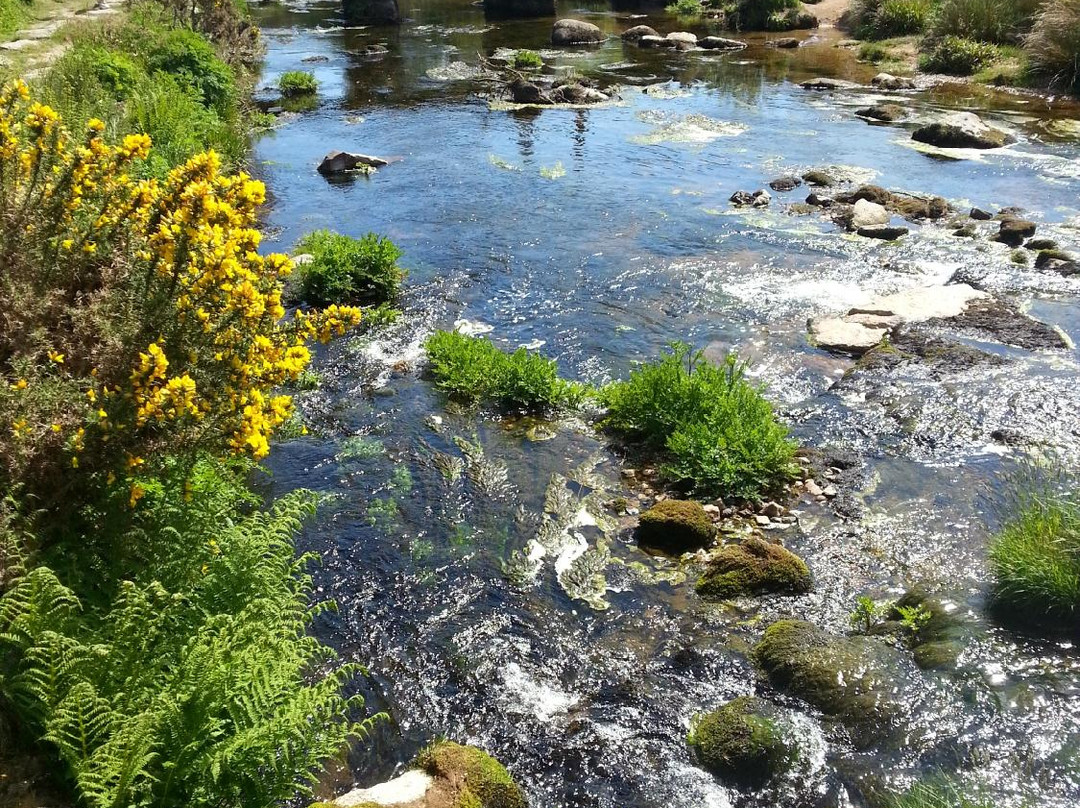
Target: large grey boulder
x: 575, y: 32
x: 962, y: 130
x: 868, y: 214
x: 682, y: 40
x: 637, y: 32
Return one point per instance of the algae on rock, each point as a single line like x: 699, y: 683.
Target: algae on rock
x: 741, y: 742
x: 753, y: 567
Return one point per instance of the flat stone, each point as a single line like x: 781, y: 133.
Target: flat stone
x: 923, y: 303
x: 883, y: 232
x: 762, y: 520
x: 843, y: 336
x: 787, y: 42
x: 962, y: 130
x: 828, y: 84
x: 887, y: 81
x: 813, y: 489
x: 720, y: 43
x: 407, y: 789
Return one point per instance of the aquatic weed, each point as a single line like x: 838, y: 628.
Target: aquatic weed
x: 297, y: 82
x: 345, y: 269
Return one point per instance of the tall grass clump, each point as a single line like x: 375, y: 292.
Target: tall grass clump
x: 1035, y: 556
x: 474, y: 371
x: 716, y: 429
x: 936, y: 793
x: 997, y: 21
x: 1054, y: 43
x: 348, y: 270
x: 297, y: 83
x: 882, y: 19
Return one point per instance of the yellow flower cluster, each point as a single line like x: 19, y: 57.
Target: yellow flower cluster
x: 181, y: 253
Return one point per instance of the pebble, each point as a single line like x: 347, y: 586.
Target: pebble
x: 772, y: 510
x: 830, y: 491
x: 762, y: 520
x: 813, y: 489
x: 712, y: 510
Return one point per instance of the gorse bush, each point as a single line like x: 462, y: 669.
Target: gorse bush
x: 138, y: 319
x: 718, y: 431
x: 1054, y: 43
x: 297, y: 82
x: 348, y: 270
x: 1035, y: 557
x: 472, y: 370
x: 193, y: 686
x: 958, y: 57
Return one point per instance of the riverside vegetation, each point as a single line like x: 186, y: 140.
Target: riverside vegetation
x: 154, y: 644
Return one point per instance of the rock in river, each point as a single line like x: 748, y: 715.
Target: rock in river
x: 758, y: 199
x: 788, y: 183
x: 637, y: 32
x: 742, y: 742
x: 962, y: 130
x: 575, y: 32
x: 675, y: 526
x: 339, y: 162
x: 868, y: 214
x: 883, y: 112
x: 887, y: 81
x: 845, y: 336
x: 720, y: 43
x: 1013, y: 231
x: 753, y: 567
x: 682, y: 40
x: 828, y: 84
x: 883, y: 232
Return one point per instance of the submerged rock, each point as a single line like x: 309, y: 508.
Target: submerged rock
x: 444, y: 774
x: 675, y: 526
x: 883, y: 112
x: 637, y: 32
x: 1057, y: 261
x: 828, y: 84
x: 962, y: 130
x: 339, y: 162
x: 1006, y: 324
x: 854, y: 679
x: 753, y: 567
x: 720, y: 43
x: 741, y: 742
x: 788, y: 183
x: 379, y: 12
x: 818, y: 178
x: 649, y: 41
x: 758, y: 199
x: 883, y: 232
x: 575, y: 32
x: 788, y: 42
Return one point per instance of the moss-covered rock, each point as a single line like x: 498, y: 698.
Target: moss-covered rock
x: 850, y: 678
x: 675, y: 526
x: 472, y: 776
x: 741, y: 742
x: 754, y: 567
x: 938, y: 640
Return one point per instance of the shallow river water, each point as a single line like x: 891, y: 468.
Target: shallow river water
x: 482, y: 576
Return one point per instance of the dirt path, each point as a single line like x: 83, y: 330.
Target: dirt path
x: 41, y: 42
x: 829, y: 12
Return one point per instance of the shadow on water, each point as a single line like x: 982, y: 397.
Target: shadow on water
x: 482, y: 572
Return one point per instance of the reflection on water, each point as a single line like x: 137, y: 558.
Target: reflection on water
x: 581, y: 665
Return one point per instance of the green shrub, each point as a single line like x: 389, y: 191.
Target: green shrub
x: 349, y: 270
x: 527, y: 60
x: 762, y: 15
x: 191, y: 61
x: 1054, y: 43
x: 998, y: 21
x: 956, y: 56
x: 719, y: 432
x: 473, y: 370
x: 13, y: 14
x: 114, y: 71
x: 297, y: 82
x: 686, y: 8
x: 193, y: 684
x: 1035, y: 557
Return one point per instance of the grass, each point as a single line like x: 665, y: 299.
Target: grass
x: 527, y: 60
x: 717, y: 431
x: 474, y: 371
x: 1054, y: 43
x: 883, y: 19
x: 957, y: 56
x: 935, y: 794
x: 297, y: 83
x: 13, y: 14
x: 1035, y: 556
x: 348, y: 270
x: 997, y: 21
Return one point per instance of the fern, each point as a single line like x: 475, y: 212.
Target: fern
x: 185, y: 695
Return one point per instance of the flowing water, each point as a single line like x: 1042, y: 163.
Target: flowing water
x: 481, y: 573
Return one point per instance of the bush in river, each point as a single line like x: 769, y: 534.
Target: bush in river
x: 349, y: 270
x: 1054, y: 43
x: 718, y: 431
x: 957, y: 56
x: 297, y: 82
x: 473, y: 370
x: 1035, y: 556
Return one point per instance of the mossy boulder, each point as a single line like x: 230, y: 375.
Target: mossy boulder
x: 472, y: 776
x: 940, y: 638
x: 675, y: 526
x: 853, y: 679
x: 741, y: 742
x: 754, y: 567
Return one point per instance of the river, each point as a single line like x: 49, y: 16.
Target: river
x: 598, y: 236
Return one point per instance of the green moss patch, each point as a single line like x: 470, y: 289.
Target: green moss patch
x: 675, y: 526
x: 478, y: 779
x: 741, y: 742
x: 754, y: 567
